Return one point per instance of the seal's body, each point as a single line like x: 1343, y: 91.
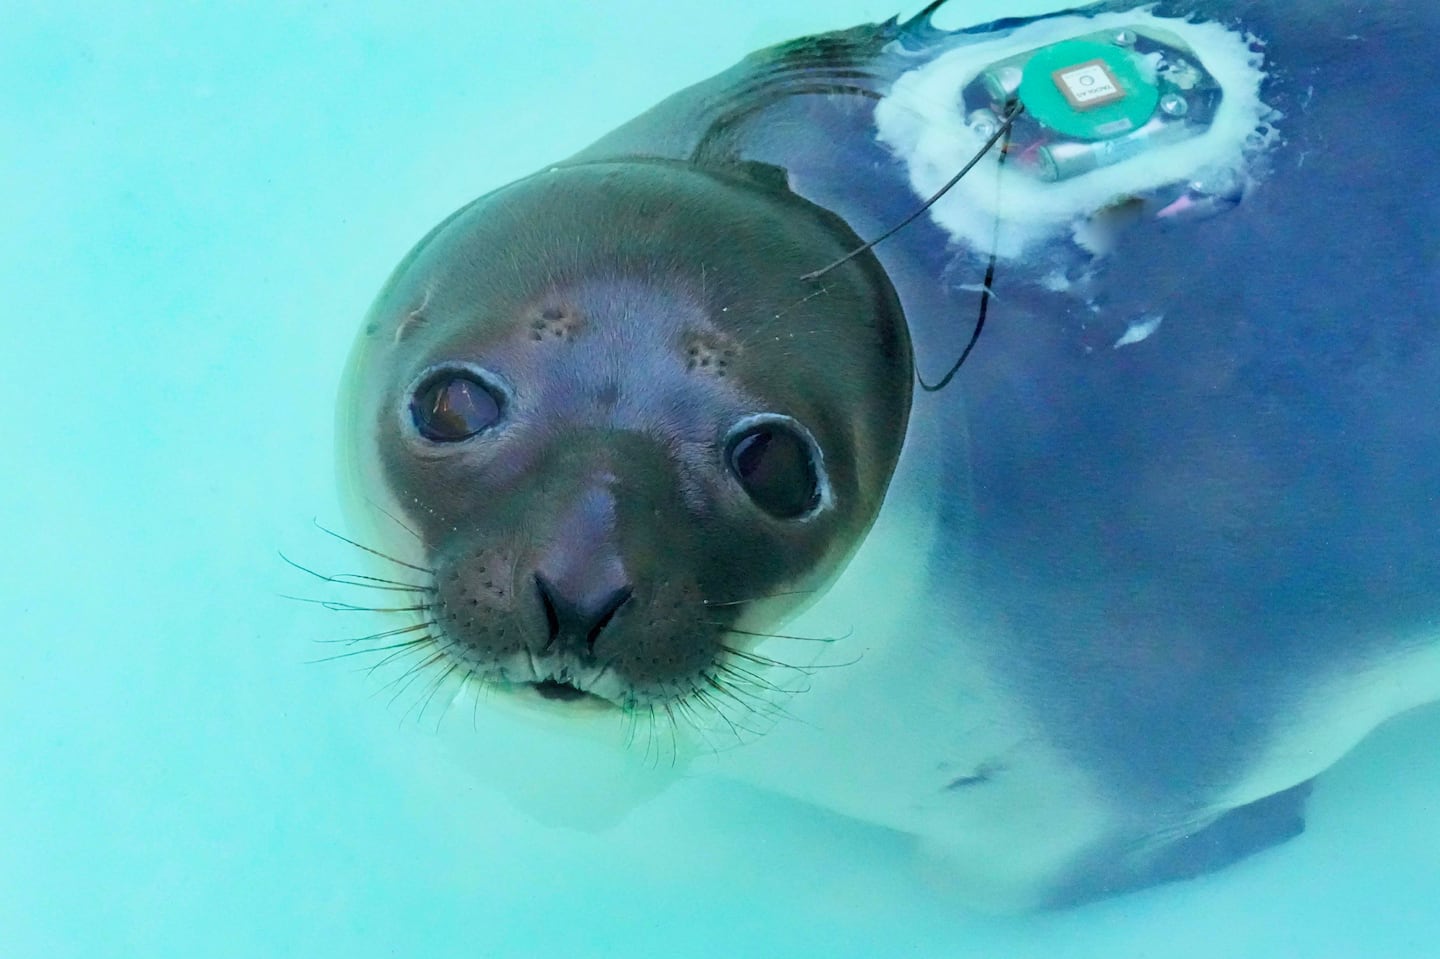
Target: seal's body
x: 1166, y: 547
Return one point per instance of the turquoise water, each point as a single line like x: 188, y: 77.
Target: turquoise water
x: 199, y: 204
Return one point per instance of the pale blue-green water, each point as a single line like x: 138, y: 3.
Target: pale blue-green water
x: 198, y: 203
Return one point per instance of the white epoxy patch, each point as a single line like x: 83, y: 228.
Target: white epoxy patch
x: 920, y: 122
x: 1140, y: 329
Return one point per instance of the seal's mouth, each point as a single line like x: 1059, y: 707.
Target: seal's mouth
x: 560, y: 691
x: 564, y: 690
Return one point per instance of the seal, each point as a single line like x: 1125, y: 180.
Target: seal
x: 647, y: 444
x: 621, y: 424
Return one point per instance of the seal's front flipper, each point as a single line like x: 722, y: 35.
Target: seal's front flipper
x: 1238, y: 833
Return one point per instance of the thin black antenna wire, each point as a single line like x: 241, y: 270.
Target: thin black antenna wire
x: 984, y: 291
x: 1003, y: 131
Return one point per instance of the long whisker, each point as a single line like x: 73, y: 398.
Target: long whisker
x: 372, y: 551
x: 631, y: 722
x: 714, y: 683
x: 383, y: 634
x: 395, y: 519
x: 650, y: 739
x: 806, y: 670
x: 431, y: 690
x: 407, y: 644
x: 743, y: 675
x: 699, y: 696
x: 412, y: 674
x: 357, y: 579
x: 803, y: 639
x: 757, y: 599
x: 753, y: 702
x: 340, y: 607
x: 760, y: 660
x: 481, y: 688
x: 653, y: 749
x: 398, y: 654
x: 686, y: 710
x: 736, y: 727
x: 674, y: 741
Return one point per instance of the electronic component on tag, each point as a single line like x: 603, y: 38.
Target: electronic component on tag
x: 1095, y: 100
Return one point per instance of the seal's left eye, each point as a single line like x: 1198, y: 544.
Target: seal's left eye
x: 776, y: 467
x: 453, y: 406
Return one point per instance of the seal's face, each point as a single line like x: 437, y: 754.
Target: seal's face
x: 626, y: 435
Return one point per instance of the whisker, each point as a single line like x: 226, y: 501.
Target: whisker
x: 736, y: 727
x: 411, y: 675
x: 760, y: 660
x: 377, y: 649
x: 432, y: 690
x: 398, y: 654
x: 684, y: 707
x: 762, y: 597
x: 674, y: 742
x: 744, y: 676
x: 384, y: 634
x: 767, y: 661
x: 373, y: 582
x: 371, y: 550
x: 394, y: 519
x: 631, y: 722
x: 480, y: 688
x: 341, y: 607
x: 821, y: 291
x: 755, y: 703
x: 650, y: 737
x: 801, y: 639
x: 357, y: 579
x: 699, y: 695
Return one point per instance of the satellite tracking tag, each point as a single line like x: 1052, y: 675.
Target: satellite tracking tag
x: 1066, y: 116
x: 1095, y: 100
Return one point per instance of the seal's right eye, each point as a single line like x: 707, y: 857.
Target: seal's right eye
x: 453, y: 406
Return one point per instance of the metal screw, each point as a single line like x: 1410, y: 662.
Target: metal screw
x: 983, y: 123
x: 1174, y: 105
x: 1124, y: 38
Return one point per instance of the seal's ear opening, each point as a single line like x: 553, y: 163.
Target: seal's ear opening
x: 766, y: 176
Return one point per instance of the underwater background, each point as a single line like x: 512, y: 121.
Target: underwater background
x: 199, y: 201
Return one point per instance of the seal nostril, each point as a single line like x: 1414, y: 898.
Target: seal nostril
x: 552, y: 616
x: 617, y: 599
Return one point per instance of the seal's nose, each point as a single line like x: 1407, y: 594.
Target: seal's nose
x: 577, y: 622
x: 580, y: 578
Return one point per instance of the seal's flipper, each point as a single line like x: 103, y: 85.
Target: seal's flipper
x: 1238, y: 833
x: 1235, y: 835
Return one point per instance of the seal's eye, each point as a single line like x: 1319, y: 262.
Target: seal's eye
x: 777, y: 466
x: 453, y: 406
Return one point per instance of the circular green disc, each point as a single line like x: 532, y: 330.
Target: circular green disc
x: 1088, y: 90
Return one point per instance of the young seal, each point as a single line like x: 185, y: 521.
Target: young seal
x: 1164, y: 549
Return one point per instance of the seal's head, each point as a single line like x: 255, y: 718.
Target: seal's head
x: 624, y: 433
